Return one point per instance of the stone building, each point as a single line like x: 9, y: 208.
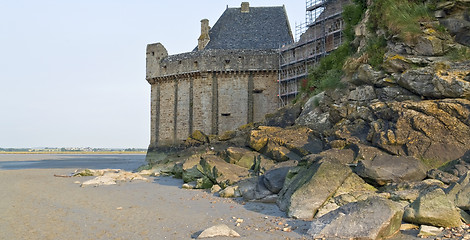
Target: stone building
x: 228, y: 80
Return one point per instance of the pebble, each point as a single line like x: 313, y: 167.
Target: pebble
x: 287, y: 229
x: 119, y: 208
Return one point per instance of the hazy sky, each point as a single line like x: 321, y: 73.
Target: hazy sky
x: 72, y: 73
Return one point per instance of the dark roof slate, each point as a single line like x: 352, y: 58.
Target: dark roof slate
x: 261, y: 28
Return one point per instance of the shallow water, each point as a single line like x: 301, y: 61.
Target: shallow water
x: 127, y: 162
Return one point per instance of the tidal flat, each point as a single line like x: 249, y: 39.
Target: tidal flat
x: 36, y: 205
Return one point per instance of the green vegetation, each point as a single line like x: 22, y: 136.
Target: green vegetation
x: 352, y: 15
x: 399, y: 17
x: 457, y: 54
x: 327, y: 74
x: 375, y: 50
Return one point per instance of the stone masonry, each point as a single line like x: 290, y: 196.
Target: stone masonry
x: 224, y: 83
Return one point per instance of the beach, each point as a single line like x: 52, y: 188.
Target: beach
x: 36, y: 205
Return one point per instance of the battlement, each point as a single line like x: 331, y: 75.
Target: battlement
x: 213, y: 60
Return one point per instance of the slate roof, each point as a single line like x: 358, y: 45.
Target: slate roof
x: 261, y: 28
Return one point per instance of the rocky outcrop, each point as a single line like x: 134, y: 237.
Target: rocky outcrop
x: 434, y: 130
x: 443, y: 80
x: 433, y: 208
x: 386, y: 169
x: 105, y: 177
x: 379, y: 218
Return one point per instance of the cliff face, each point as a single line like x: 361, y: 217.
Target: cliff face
x: 415, y: 103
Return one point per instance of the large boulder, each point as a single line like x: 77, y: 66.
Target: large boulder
x: 189, y: 169
x: 345, y: 156
x: 220, y: 172
x: 284, y: 144
x: 374, y: 218
x: 435, y: 130
x: 313, y: 116
x: 433, y: 208
x: 459, y: 192
x: 384, y: 169
x: 274, y: 179
x: 460, y: 28
x: 353, y: 189
x: 246, y: 158
x: 284, y: 117
x: 308, y: 188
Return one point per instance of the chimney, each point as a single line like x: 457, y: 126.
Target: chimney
x: 204, y: 38
x: 245, y: 7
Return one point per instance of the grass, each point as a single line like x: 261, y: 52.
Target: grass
x: 459, y: 54
x: 399, y: 17
x: 375, y: 50
x: 327, y: 74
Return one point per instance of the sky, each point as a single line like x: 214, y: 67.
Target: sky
x: 72, y: 73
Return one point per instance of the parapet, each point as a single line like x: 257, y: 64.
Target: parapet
x: 214, y: 60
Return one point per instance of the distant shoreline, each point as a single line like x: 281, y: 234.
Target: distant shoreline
x: 79, y: 152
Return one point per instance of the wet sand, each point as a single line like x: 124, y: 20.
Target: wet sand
x: 36, y: 205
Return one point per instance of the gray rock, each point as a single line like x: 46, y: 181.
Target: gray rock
x: 313, y: 117
x: 445, y: 177
x: 221, y: 230
x: 427, y: 231
x: 220, y: 172
x: 459, y: 192
x: 429, y: 46
x: 454, y: 25
x: 230, y: 192
x: 374, y: 218
x: 463, y: 37
x: 345, y: 156
x: 307, y: 189
x: 285, y: 116
x: 410, y: 191
x: 433, y: 208
x: 260, y: 190
x: 429, y: 82
x: 437, y: 131
x: 274, y: 179
x: 362, y: 93
x: 367, y: 75
x: 364, y: 152
x: 395, y: 93
x: 387, y: 168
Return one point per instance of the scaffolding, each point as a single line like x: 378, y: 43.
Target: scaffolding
x: 319, y: 35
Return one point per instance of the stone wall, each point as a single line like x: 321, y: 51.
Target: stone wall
x: 212, y: 90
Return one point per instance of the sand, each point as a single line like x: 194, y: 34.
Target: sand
x: 36, y: 205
